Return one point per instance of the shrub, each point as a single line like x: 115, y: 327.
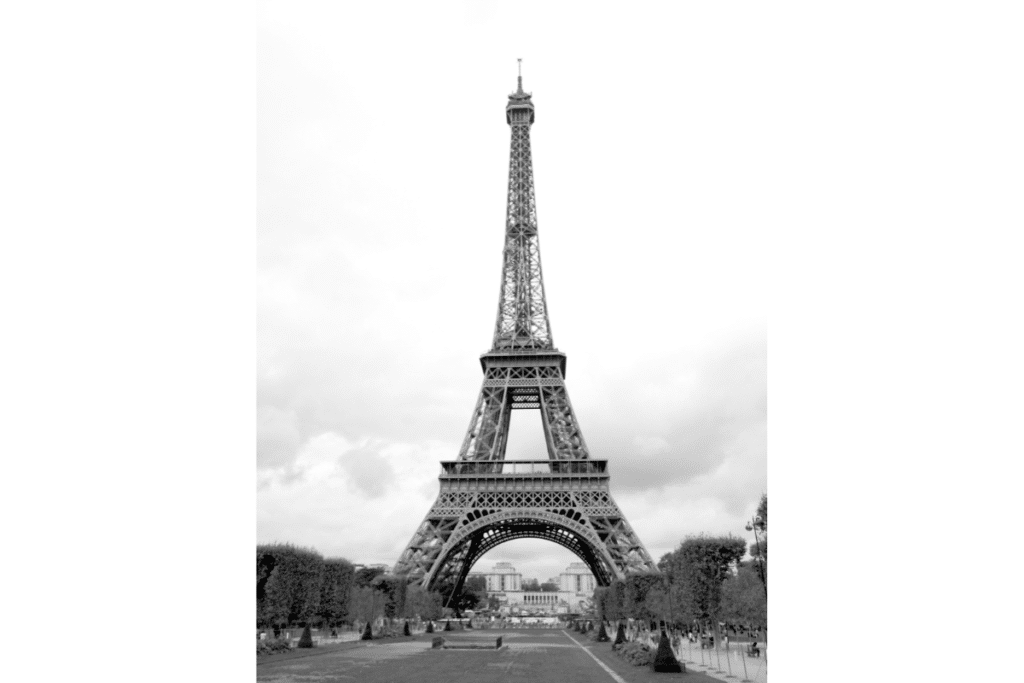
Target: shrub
x: 430, y: 627
x: 307, y: 637
x: 664, y: 659
x: 270, y: 646
x: 602, y: 636
x: 367, y: 633
x: 635, y: 653
x: 620, y: 635
x: 405, y: 629
x: 448, y: 625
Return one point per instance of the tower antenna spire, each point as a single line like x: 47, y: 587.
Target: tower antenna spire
x: 520, y: 60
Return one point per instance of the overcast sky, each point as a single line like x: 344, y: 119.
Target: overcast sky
x: 383, y: 160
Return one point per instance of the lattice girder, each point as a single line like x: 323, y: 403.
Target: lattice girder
x: 565, y: 499
x: 477, y: 513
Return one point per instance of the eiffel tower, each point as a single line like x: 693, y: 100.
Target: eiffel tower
x: 485, y: 500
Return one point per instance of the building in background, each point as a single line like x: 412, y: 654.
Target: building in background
x: 576, y: 588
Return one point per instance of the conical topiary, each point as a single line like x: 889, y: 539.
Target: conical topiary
x: 448, y: 625
x: 367, y: 633
x: 620, y: 635
x: 602, y: 635
x: 664, y: 660
x: 306, y: 640
x: 590, y: 626
x: 405, y: 629
x: 430, y: 627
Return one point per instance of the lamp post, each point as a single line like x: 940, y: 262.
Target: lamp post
x: 753, y: 525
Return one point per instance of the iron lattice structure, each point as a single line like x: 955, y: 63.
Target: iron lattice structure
x: 485, y: 500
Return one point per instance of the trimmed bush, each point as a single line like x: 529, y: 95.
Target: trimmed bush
x: 306, y: 640
x: 430, y: 627
x: 620, y: 635
x: 405, y: 629
x: 664, y: 660
x: 367, y: 633
x: 590, y: 626
x: 448, y: 625
x: 635, y: 653
x: 602, y: 636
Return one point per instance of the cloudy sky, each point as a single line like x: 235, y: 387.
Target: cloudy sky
x: 383, y: 157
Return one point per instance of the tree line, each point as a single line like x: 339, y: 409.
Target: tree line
x: 297, y: 586
x: 703, y: 581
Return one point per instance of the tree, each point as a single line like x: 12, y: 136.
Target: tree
x: 759, y: 549
x: 549, y: 587
x: 635, y: 591
x: 696, y: 571
x: 336, y: 591
x: 392, y: 590
x: 472, y: 593
x: 367, y: 604
x: 288, y: 584
x: 365, y: 576
x: 743, y: 598
x: 531, y: 585
x: 421, y: 603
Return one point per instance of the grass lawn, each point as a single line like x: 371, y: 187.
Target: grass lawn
x: 537, y: 656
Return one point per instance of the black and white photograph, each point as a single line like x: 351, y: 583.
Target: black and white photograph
x: 498, y: 299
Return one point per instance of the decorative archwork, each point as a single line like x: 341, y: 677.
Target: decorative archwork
x: 477, y: 538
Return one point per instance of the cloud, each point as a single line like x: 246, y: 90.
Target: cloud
x: 377, y: 281
x: 368, y: 471
x: 681, y: 427
x: 277, y: 437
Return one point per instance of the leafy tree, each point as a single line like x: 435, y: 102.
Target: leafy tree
x: 635, y: 593
x: 422, y: 603
x: 696, y: 571
x: 367, y: 604
x: 392, y: 590
x: 549, y: 587
x: 743, y: 598
x: 531, y: 585
x: 598, y: 603
x: 472, y: 593
x: 288, y: 584
x: 365, y: 576
x: 336, y: 591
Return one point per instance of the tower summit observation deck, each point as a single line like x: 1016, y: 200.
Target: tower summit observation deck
x: 485, y: 501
